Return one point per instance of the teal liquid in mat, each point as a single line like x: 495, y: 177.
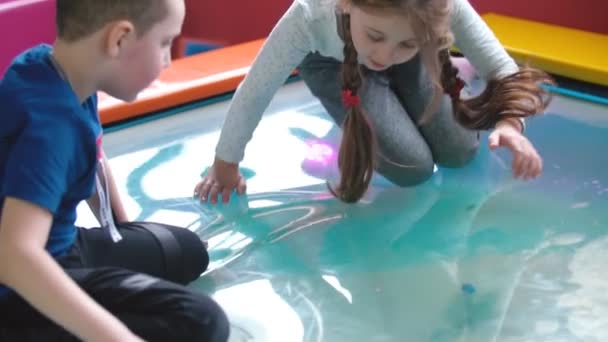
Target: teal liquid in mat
x: 467, y: 234
x: 470, y: 255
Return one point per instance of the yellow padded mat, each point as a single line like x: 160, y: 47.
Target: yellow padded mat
x: 560, y: 50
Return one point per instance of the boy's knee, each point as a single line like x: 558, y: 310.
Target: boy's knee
x: 207, y: 321
x: 186, y: 256
x: 195, y: 257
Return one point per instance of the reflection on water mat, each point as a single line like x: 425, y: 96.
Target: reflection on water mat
x: 471, y: 255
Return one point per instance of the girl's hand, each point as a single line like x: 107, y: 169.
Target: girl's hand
x: 527, y: 163
x: 222, y: 178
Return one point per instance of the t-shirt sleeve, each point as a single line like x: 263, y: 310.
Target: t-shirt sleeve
x: 38, y: 165
x: 284, y: 49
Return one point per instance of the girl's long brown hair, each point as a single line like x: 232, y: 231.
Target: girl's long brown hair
x: 516, y: 95
x: 357, y: 149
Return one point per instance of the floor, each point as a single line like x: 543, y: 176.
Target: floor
x: 470, y: 255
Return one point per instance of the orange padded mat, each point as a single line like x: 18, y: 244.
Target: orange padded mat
x: 188, y: 79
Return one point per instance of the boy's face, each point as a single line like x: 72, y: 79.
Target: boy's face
x: 143, y: 59
x: 382, y: 38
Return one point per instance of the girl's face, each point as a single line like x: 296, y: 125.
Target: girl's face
x: 382, y: 37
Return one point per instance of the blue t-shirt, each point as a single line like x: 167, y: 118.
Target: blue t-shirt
x: 48, y: 143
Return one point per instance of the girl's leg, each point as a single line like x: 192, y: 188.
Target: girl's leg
x: 451, y: 144
x: 404, y: 156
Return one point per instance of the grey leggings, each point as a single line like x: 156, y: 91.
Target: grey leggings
x: 395, y: 101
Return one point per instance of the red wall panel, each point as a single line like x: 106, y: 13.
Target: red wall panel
x: 588, y: 15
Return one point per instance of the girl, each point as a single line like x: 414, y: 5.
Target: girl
x: 380, y: 68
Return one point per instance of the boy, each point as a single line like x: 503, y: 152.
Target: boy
x: 59, y: 282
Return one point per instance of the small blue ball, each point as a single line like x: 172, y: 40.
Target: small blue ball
x: 468, y: 288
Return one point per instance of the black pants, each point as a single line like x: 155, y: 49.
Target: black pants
x: 139, y: 279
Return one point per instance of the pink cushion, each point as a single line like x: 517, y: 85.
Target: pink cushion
x: 24, y: 23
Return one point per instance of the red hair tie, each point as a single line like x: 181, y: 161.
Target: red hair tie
x: 349, y: 100
x: 456, y: 89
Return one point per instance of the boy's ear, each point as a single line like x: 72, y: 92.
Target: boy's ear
x: 118, y: 35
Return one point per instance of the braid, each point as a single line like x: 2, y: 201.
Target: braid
x: 518, y: 95
x: 351, y: 73
x: 357, y: 149
x: 449, y: 73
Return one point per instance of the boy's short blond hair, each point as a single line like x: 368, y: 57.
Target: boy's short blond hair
x: 78, y: 19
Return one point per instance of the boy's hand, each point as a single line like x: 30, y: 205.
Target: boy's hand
x: 223, y: 177
x: 527, y: 163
